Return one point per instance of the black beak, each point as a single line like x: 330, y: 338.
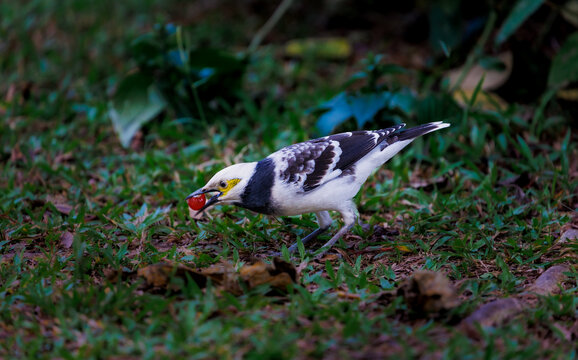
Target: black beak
x: 213, y: 200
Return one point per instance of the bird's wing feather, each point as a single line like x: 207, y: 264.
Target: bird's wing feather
x: 312, y: 163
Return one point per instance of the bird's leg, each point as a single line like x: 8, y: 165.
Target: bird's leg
x: 324, y: 221
x: 349, y: 219
x: 365, y: 226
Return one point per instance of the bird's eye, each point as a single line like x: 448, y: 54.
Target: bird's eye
x: 223, y: 184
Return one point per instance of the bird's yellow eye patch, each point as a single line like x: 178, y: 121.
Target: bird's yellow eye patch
x: 225, y: 186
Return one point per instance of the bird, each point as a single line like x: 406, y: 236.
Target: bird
x: 315, y: 176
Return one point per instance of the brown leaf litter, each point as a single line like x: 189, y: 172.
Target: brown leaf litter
x: 499, y: 311
x: 168, y: 276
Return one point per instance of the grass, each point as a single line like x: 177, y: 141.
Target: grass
x: 74, y: 205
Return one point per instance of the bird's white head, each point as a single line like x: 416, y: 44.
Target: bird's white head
x: 228, y: 184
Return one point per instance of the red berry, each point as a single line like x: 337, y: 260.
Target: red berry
x: 197, y: 202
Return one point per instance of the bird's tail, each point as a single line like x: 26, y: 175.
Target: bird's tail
x: 420, y: 130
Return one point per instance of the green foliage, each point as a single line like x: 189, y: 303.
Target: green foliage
x: 172, y: 74
x: 519, y: 13
x: 136, y: 102
x: 564, y: 68
x: 364, y: 104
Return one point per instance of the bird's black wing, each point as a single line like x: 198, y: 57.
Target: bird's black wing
x: 314, y: 162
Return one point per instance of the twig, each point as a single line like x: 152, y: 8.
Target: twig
x: 268, y: 26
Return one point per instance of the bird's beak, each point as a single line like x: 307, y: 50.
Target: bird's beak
x: 213, y: 200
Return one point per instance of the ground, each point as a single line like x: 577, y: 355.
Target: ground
x: 489, y: 203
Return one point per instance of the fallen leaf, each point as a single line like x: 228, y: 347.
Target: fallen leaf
x: 428, y: 292
x: 491, y: 314
x: 570, y: 12
x: 568, y: 94
x: 324, y: 48
x: 493, y: 79
x: 548, y: 283
x: 66, y: 239
x: 402, y: 248
x: 484, y: 100
x: 279, y: 275
x: 522, y: 180
x: 348, y: 296
x: 62, y: 158
x: 63, y: 208
x: 497, y: 312
x: 570, y: 234
x: 159, y: 276
x: 429, y: 184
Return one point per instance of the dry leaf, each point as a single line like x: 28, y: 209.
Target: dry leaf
x: 66, y: 239
x: 402, y: 248
x: 278, y: 275
x: 548, y: 282
x: 496, y: 312
x: 570, y: 12
x: 325, y: 48
x: 484, y: 100
x: 62, y: 158
x: 63, y: 208
x: 570, y: 234
x: 428, y: 292
x: 159, y: 276
x: 491, y: 314
x: 429, y: 184
x: 493, y: 79
x: 568, y: 94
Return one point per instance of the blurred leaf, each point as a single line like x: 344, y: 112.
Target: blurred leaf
x: 570, y: 12
x: 402, y: 101
x: 564, y: 67
x: 209, y: 58
x: 279, y: 276
x: 361, y: 106
x: 364, y: 106
x: 492, y: 63
x: 136, y: 102
x: 568, y: 94
x: 365, y: 103
x: 328, y: 48
x: 525, y: 149
x: 186, y: 78
x: 403, y: 248
x: 436, y: 107
x: 484, y: 100
x: 487, y: 69
x: 521, y: 11
x: 428, y: 292
x: 161, y: 275
x: 339, y: 112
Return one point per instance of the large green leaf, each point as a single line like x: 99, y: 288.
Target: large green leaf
x: 564, y: 67
x: 136, y: 102
x: 361, y: 106
x: 364, y: 106
x: 338, y: 111
x: 521, y: 11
